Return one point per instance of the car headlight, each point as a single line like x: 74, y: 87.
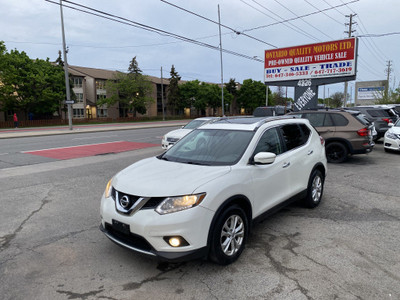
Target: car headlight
x: 393, y: 136
x: 174, y: 204
x: 107, y: 192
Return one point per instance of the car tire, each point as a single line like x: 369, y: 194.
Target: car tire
x: 229, y: 235
x: 315, y: 189
x: 336, y: 152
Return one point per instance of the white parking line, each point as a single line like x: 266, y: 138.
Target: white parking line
x: 30, y: 151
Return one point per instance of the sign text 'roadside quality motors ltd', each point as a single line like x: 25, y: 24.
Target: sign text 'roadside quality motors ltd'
x: 313, y: 61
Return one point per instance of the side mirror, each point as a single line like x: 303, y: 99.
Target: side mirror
x: 390, y: 124
x: 264, y: 158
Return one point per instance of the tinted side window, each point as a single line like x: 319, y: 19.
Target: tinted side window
x: 269, y: 142
x: 292, y: 136
x: 319, y: 119
x: 339, y: 120
x: 306, y: 133
x: 377, y: 113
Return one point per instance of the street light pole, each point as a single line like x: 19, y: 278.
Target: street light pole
x: 66, y: 70
x: 222, y: 72
x: 162, y: 96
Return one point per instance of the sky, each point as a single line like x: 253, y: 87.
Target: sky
x: 248, y: 29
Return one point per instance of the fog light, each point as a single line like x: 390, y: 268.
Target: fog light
x: 176, y: 241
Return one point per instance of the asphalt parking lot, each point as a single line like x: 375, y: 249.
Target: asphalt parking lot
x: 347, y: 248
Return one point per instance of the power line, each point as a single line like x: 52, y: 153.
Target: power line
x: 290, y: 26
x: 378, y: 34
x: 323, y: 11
x: 366, y: 31
x: 308, y: 23
x: 227, y: 27
x: 301, y: 16
x: 105, y: 15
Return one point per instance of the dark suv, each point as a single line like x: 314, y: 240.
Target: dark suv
x: 381, y: 116
x: 345, y: 132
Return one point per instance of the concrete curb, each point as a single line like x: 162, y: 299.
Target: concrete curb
x: 82, y: 129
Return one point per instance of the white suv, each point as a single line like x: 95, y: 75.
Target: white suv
x: 198, y: 199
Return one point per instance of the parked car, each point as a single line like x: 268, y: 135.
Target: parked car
x: 199, y: 198
x: 175, y: 135
x: 345, y: 132
x: 392, y: 137
x: 396, y: 108
x: 267, y: 111
x: 380, y: 115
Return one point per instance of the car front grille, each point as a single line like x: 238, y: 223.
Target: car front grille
x: 172, y: 140
x: 151, y: 203
x: 131, y: 240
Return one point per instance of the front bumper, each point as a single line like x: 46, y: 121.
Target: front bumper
x: 147, y: 229
x: 165, y: 143
x: 162, y: 255
x: 392, y: 144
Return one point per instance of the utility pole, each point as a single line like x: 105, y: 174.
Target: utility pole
x: 68, y: 101
x: 222, y: 69
x: 388, y: 70
x: 350, y: 24
x: 162, y: 97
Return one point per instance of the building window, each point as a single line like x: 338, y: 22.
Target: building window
x: 77, y: 82
x: 79, y: 97
x: 102, y: 113
x: 100, y: 84
x: 100, y: 97
x: 78, y: 113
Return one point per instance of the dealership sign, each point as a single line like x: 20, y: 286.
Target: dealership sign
x: 370, y: 93
x: 313, y: 61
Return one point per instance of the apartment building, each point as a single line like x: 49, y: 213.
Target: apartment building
x: 89, y: 88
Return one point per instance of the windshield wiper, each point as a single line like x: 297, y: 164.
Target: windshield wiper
x: 197, y: 163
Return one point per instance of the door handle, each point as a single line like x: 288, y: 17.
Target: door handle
x: 310, y: 152
x: 285, y: 165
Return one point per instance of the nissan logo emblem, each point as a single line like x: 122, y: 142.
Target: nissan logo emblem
x: 124, y: 201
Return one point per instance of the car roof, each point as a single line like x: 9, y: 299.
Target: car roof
x: 243, y: 123
x: 315, y: 110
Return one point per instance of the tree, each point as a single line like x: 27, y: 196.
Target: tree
x: 231, y: 88
x: 134, y: 67
x: 278, y: 97
x: 131, y: 90
x: 251, y: 95
x: 189, y: 92
x: 59, y: 60
x: 173, y: 103
x: 337, y: 99
x: 389, y: 97
x: 35, y: 86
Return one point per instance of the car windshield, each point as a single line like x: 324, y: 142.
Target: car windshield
x: 397, y: 124
x: 211, y: 147
x: 194, y: 124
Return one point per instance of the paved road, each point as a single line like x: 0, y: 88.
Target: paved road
x: 13, y: 151
x: 347, y: 248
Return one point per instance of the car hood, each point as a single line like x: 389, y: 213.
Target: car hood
x: 178, y: 133
x: 153, y: 177
x: 395, y: 129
